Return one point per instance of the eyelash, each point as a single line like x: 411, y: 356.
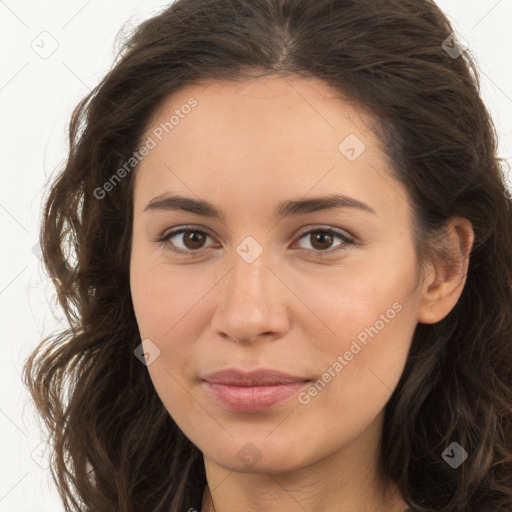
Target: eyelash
x: 328, y: 252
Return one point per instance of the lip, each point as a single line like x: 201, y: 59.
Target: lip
x: 253, y: 391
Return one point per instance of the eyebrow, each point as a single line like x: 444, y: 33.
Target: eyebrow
x: 284, y: 209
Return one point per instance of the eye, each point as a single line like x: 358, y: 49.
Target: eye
x: 191, y: 241
x: 322, y: 239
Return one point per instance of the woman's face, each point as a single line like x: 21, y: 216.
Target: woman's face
x: 278, y: 280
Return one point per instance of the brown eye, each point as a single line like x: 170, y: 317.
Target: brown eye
x: 192, y: 240
x: 321, y: 241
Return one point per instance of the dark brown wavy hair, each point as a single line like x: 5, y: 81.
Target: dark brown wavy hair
x: 115, y: 447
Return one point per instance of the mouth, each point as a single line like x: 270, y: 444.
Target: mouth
x: 254, y: 391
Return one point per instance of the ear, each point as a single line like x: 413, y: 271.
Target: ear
x: 445, y: 281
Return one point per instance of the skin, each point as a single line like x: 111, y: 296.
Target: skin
x: 246, y: 147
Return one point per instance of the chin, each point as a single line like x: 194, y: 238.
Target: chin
x: 261, y: 454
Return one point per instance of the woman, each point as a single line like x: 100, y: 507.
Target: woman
x: 213, y: 361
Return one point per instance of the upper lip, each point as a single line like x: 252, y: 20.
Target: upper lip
x: 259, y: 377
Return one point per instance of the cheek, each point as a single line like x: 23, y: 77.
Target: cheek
x: 368, y: 302
x: 368, y: 320
x: 166, y: 304
x: 164, y: 298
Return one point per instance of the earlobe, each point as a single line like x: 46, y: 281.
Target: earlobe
x: 445, y: 280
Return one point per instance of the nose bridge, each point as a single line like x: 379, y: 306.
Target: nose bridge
x: 248, y: 277
x: 250, y: 296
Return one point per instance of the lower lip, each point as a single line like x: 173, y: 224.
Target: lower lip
x: 253, y: 398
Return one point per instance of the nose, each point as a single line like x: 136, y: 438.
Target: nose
x: 252, y: 302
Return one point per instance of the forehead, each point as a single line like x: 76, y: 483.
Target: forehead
x: 260, y: 138
x: 265, y: 102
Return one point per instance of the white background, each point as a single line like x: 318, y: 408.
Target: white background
x: 37, y: 96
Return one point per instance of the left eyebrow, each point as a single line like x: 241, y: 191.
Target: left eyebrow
x: 301, y: 206
x: 284, y: 209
